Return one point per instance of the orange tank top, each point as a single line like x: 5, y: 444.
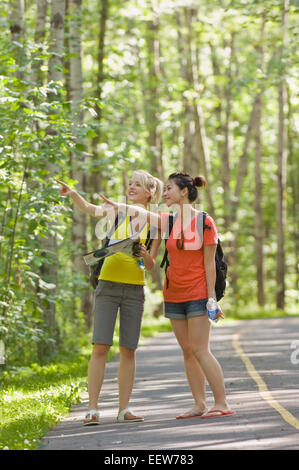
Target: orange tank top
x: 186, y: 273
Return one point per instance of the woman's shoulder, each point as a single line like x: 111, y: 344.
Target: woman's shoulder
x: 211, y: 235
x: 209, y: 219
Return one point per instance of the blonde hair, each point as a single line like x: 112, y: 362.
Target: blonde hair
x: 150, y: 183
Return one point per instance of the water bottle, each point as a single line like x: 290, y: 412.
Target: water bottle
x: 212, y: 309
x: 141, y: 263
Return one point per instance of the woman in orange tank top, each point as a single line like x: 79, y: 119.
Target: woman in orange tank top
x: 190, y: 281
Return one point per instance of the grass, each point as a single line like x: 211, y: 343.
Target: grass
x: 35, y: 398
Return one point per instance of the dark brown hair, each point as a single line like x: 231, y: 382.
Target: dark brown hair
x: 183, y: 180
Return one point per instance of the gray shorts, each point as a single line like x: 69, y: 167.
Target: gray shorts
x: 108, y: 298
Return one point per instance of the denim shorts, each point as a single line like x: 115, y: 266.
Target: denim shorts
x: 184, y: 310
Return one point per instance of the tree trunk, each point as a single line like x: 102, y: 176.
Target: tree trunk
x: 39, y: 36
x: 232, y: 246
x: 184, y: 42
x: 78, y: 159
x: 281, y: 169
x: 95, y: 178
x: 17, y: 29
x: 225, y: 173
x: 258, y: 224
x: 196, y: 152
x: 258, y: 221
x: 151, y: 113
x: 56, y: 40
x: 49, y: 244
x: 293, y: 176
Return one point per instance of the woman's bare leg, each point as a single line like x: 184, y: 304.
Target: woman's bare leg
x: 199, y: 334
x: 96, y: 373
x: 194, y: 373
x: 126, y: 376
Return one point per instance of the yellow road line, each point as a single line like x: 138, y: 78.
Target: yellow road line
x: 263, y: 389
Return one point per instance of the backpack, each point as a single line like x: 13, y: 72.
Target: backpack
x: 96, y: 268
x: 221, y: 265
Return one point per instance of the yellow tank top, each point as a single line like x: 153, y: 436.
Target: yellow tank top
x: 121, y: 267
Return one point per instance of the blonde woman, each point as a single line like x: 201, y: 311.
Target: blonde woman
x: 120, y: 287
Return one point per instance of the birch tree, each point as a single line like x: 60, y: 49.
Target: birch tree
x: 281, y: 165
x: 49, y: 244
x: 17, y: 29
x: 196, y: 158
x: 258, y: 224
x: 78, y: 159
x: 95, y: 178
x: 39, y: 37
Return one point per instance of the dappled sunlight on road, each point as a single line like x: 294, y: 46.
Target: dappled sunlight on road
x: 161, y: 392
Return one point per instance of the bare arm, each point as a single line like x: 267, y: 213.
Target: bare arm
x: 80, y: 202
x: 144, y: 216
x: 149, y: 257
x: 210, y: 269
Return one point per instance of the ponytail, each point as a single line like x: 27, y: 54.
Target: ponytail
x: 158, y: 191
x: 183, y: 180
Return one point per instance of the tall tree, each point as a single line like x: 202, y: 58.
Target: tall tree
x: 49, y: 244
x: 95, y: 179
x: 39, y: 37
x: 78, y: 159
x: 281, y: 164
x: 17, y: 29
x: 293, y: 175
x: 258, y: 224
x: 196, y: 158
x: 226, y: 152
x: 152, y: 92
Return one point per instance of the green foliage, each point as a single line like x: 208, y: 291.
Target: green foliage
x: 33, y: 399
x: 38, y: 139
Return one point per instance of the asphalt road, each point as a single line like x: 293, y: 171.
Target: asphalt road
x: 260, y: 361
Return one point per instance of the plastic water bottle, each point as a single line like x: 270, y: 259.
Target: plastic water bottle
x: 212, y: 309
x: 141, y: 263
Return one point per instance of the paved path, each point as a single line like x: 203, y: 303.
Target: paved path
x: 262, y: 382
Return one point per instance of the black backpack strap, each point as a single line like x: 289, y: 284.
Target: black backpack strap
x: 149, y: 240
x: 204, y: 221
x: 96, y: 268
x: 165, y: 257
x: 151, y: 235
x: 117, y: 221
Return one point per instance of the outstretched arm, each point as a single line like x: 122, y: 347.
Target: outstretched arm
x: 80, y: 202
x: 154, y: 219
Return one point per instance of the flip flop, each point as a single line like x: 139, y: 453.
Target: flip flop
x: 122, y: 419
x: 92, y: 418
x: 217, y: 413
x: 190, y: 414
